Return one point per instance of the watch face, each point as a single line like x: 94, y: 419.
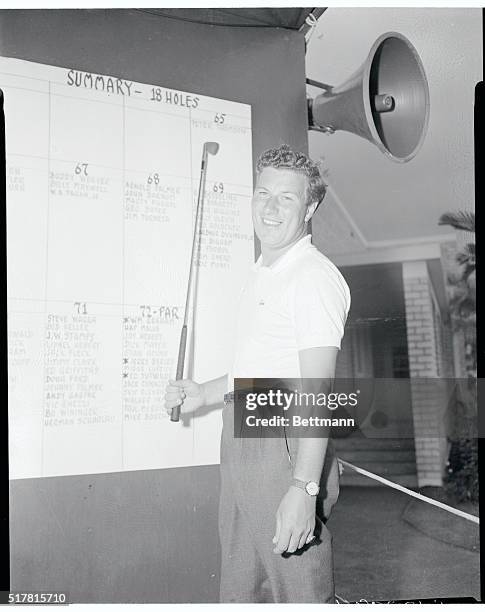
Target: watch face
x: 312, y: 488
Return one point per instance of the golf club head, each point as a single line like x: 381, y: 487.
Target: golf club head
x: 211, y: 147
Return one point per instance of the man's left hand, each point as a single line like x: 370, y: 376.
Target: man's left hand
x: 295, y: 521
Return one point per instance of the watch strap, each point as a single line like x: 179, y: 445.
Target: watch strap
x: 302, y: 484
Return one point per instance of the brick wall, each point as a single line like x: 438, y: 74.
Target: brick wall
x: 419, y: 320
x: 425, y: 350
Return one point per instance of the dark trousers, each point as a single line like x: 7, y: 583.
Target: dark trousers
x: 255, y: 475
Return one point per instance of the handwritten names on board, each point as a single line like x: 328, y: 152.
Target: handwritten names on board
x: 102, y: 183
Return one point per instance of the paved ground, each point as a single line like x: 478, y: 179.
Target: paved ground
x: 386, y: 546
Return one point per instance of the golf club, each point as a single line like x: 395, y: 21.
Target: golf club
x: 209, y: 148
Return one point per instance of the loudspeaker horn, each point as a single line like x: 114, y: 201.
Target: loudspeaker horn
x: 386, y: 101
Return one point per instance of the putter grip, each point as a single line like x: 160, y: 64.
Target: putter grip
x: 180, y: 369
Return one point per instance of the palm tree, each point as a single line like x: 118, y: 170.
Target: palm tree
x: 463, y: 301
x: 462, y: 478
x: 463, y: 220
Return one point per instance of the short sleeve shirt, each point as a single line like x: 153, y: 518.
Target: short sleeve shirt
x: 300, y: 301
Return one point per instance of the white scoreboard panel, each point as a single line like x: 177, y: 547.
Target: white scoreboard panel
x: 102, y: 181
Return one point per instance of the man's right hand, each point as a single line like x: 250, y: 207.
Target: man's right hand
x: 186, y: 393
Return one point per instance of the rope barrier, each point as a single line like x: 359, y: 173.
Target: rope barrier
x: 428, y: 500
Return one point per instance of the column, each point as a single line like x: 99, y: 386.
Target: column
x: 423, y: 364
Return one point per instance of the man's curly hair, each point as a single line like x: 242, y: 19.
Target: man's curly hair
x: 283, y: 157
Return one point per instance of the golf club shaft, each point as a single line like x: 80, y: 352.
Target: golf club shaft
x: 175, y: 416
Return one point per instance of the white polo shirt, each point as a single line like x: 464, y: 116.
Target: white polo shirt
x: 300, y: 301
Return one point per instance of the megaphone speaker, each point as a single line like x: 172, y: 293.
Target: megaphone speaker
x: 386, y: 101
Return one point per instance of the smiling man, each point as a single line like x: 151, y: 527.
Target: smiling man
x: 290, y: 322
x: 280, y: 212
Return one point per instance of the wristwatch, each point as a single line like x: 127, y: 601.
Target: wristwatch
x: 309, y: 487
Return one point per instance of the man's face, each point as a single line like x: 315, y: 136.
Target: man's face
x: 280, y: 208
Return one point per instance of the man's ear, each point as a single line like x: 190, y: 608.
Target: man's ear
x: 310, y: 211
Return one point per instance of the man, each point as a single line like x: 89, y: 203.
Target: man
x: 291, y: 317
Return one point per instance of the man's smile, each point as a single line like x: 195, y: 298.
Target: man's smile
x: 271, y: 222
